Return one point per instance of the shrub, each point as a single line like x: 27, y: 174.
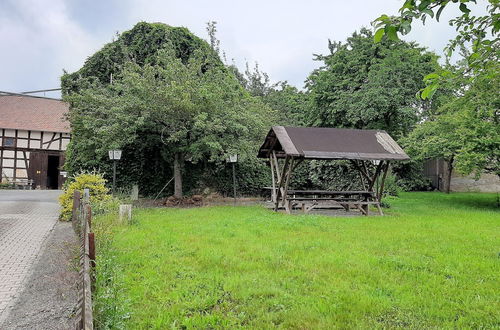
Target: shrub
x: 6, y: 185
x: 410, y: 176
x: 391, y: 187
x: 86, y: 180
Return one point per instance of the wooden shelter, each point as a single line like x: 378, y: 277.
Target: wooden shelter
x: 291, y: 145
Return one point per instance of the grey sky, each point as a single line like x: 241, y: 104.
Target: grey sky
x: 41, y: 38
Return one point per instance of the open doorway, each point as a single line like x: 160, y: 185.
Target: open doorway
x: 53, y: 172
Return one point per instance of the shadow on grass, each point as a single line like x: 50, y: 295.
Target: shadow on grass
x: 478, y: 201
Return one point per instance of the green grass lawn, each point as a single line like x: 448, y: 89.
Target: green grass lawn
x: 433, y: 261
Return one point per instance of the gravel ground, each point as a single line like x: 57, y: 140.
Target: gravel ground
x: 50, y: 295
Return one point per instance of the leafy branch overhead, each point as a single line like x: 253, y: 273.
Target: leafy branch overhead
x: 478, y: 32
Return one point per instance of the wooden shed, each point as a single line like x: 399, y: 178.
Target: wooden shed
x: 34, y: 134
x: 286, y: 147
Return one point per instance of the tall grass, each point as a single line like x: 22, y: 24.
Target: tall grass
x: 433, y: 261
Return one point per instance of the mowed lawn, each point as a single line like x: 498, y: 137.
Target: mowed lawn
x: 432, y: 261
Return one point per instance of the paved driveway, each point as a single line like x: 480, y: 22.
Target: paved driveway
x: 26, y: 218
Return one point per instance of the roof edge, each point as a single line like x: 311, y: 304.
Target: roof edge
x: 285, y: 141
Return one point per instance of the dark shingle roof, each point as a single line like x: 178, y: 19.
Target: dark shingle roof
x: 331, y: 143
x: 33, y: 113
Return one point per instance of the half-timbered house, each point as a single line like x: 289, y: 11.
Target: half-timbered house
x: 34, y: 134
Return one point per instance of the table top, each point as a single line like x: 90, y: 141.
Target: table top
x: 326, y: 192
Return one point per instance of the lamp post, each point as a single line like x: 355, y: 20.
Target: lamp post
x: 114, y: 155
x: 233, y: 159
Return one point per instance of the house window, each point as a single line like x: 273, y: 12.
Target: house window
x: 9, y: 142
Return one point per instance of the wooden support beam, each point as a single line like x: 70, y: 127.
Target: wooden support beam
x: 277, y: 171
x: 297, y: 162
x: 362, y: 171
x: 375, y: 176
x: 287, y: 182
x: 361, y: 209
x: 281, y: 181
x: 367, y: 173
x: 273, y: 192
x: 91, y: 239
x: 276, y: 164
x: 382, y: 183
x: 362, y: 174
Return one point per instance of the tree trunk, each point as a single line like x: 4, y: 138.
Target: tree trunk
x: 178, y: 175
x: 448, y: 175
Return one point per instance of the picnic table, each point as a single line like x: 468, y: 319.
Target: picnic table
x: 307, y: 200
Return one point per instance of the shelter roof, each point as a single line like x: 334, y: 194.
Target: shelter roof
x: 33, y: 113
x: 331, y: 143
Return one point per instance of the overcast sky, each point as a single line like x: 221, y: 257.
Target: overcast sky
x: 41, y: 38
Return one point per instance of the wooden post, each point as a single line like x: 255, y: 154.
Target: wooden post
x: 88, y: 215
x: 375, y: 176
x: 361, y: 171
x: 285, y: 187
x: 86, y: 195
x: 76, y: 205
x: 91, y: 248
x: 381, y: 191
x: 278, y: 175
x: 280, y: 182
x: 273, y: 192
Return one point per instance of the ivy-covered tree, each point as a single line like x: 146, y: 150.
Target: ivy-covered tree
x: 367, y: 85
x: 185, y: 108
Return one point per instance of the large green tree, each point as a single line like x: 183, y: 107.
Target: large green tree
x: 366, y: 85
x: 290, y: 103
x: 465, y: 131
x: 184, y: 108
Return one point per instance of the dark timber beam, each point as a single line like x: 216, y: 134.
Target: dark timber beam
x: 382, y: 183
x: 375, y: 176
x: 280, y: 189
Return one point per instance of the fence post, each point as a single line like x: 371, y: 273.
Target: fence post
x: 82, y: 219
x: 88, y: 215
x: 76, y: 204
x: 86, y: 195
x: 91, y: 249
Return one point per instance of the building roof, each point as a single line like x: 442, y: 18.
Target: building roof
x: 33, y: 113
x: 331, y: 143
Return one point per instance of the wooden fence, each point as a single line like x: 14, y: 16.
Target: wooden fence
x: 82, y: 223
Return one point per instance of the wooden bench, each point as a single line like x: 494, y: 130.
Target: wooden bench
x: 22, y: 183
x: 360, y: 200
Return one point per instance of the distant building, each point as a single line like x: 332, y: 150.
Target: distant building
x: 436, y: 171
x: 34, y: 134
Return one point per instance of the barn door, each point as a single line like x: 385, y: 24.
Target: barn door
x: 38, y: 169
